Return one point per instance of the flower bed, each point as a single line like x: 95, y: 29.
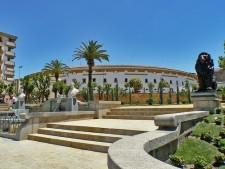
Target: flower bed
x: 205, y: 147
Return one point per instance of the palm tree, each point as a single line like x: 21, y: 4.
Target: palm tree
x: 90, y: 52
x: 55, y: 67
x: 187, y: 87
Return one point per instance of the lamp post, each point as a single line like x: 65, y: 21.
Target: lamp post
x: 18, y: 87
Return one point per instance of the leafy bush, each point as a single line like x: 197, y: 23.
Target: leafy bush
x: 150, y: 101
x: 216, y: 141
x: 222, y: 150
x: 200, y: 162
x: 219, y: 158
x: 221, y: 143
x: 218, y: 110
x: 209, y: 128
x: 222, y: 134
x: 190, y: 148
x: 207, y: 137
x: 177, y: 160
x: 218, y: 121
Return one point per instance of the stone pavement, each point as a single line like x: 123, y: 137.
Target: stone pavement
x: 35, y: 155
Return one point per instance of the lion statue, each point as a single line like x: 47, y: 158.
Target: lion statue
x: 205, y: 71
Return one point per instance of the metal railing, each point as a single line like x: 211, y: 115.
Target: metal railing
x: 9, y: 122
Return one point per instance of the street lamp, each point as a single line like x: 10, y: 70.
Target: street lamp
x: 18, y: 84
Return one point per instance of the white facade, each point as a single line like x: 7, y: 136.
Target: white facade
x: 121, y: 74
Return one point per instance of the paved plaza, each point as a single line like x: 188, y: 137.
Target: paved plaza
x: 36, y: 155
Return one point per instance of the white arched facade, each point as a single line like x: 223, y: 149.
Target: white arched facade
x: 120, y: 74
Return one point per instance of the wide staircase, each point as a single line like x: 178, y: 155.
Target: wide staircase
x: 82, y: 137
x: 4, y: 107
x: 143, y: 113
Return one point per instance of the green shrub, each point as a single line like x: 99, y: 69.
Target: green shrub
x: 222, y: 150
x: 206, y: 120
x: 221, y: 143
x: 216, y: 141
x: 200, y: 163
x: 150, y: 101
x: 218, y: 110
x: 212, y: 129
x: 211, y: 112
x: 222, y: 134
x: 219, y: 158
x: 218, y: 121
x: 190, y: 148
x: 177, y: 160
x: 206, y: 137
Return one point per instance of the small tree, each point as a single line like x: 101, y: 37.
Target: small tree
x: 77, y: 84
x: 162, y: 85
x: 170, y: 96
x: 187, y: 87
x: 117, y: 92
x: 221, y: 60
x: 136, y: 84
x: 99, y: 90
x: 127, y: 86
x: 107, y: 88
x: 178, y: 94
x: 150, y: 89
x: 66, y: 90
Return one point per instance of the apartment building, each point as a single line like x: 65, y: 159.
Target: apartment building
x: 7, y: 56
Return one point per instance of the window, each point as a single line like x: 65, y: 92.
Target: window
x: 171, y: 82
x: 155, y: 81
x: 94, y: 79
x: 126, y: 80
x: 84, y: 80
x: 146, y: 80
x: 105, y: 80
x: 115, y: 80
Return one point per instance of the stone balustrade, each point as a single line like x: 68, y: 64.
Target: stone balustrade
x: 149, y: 150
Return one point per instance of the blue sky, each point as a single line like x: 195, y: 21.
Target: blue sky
x: 167, y: 33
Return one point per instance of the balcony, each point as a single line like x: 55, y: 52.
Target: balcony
x: 10, y: 54
x: 10, y: 79
x: 11, y: 44
x: 10, y: 69
x: 11, y: 63
x: 9, y: 73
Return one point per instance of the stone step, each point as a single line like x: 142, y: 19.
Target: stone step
x: 70, y: 142
x: 100, y: 137
x: 141, y: 113
x: 128, y: 117
x: 150, y: 109
x: 94, y: 129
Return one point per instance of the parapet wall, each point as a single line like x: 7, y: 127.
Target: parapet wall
x: 150, y: 149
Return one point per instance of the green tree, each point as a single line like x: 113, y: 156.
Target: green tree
x: 127, y: 86
x: 55, y: 68
x: 221, y: 60
x: 99, y: 90
x: 10, y: 89
x: 162, y: 85
x: 90, y: 52
x: 107, y: 88
x: 178, y: 93
x: 117, y: 92
x: 28, y: 87
x: 42, y: 84
x: 170, y: 96
x: 187, y: 87
x: 66, y: 90
x: 2, y: 87
x: 136, y: 84
x: 150, y: 89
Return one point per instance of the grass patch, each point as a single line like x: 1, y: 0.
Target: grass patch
x: 207, y: 128
x: 191, y: 148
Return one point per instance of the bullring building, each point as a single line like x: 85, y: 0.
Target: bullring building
x: 121, y: 74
